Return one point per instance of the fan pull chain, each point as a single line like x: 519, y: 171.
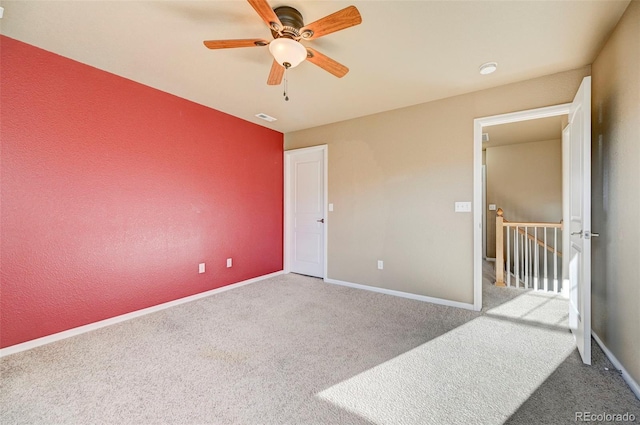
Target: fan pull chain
x: 286, y: 85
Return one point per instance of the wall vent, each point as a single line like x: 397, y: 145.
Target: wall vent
x: 265, y: 117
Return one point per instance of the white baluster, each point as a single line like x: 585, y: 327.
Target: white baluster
x: 516, y: 256
x: 546, y: 254
x: 530, y: 261
x: 524, y: 255
x: 534, y: 244
x: 508, y: 257
x: 528, y: 257
x: 555, y: 259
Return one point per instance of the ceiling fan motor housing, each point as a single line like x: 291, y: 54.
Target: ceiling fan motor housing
x: 291, y: 21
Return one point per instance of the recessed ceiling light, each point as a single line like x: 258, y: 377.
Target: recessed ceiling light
x: 265, y: 117
x: 488, y: 68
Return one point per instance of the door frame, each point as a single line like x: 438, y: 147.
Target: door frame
x: 566, y: 217
x: 484, y: 210
x: 478, y: 213
x: 288, y: 184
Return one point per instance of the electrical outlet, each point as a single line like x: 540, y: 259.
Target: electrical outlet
x: 380, y: 264
x: 201, y: 268
x: 229, y: 262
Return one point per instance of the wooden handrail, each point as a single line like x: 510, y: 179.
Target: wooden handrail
x: 532, y: 224
x: 500, y: 212
x: 541, y: 243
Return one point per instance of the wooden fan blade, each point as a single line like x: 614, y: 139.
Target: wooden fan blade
x: 337, y: 21
x: 267, y: 14
x: 228, y: 44
x: 275, y: 75
x: 326, y: 63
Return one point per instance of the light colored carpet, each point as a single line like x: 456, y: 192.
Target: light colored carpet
x: 493, y: 296
x: 294, y: 350
x: 478, y: 373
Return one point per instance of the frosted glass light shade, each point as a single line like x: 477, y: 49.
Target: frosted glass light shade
x: 287, y: 51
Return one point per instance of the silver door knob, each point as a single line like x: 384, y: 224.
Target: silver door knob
x: 321, y: 220
x: 588, y: 235
x: 577, y: 233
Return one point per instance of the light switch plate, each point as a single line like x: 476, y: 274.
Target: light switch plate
x: 463, y: 207
x: 201, y: 268
x: 330, y: 207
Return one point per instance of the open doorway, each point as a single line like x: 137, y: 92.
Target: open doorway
x: 522, y: 182
x: 518, y: 127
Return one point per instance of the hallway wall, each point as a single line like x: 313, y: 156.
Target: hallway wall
x: 615, y: 165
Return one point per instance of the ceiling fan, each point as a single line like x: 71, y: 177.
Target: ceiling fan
x: 287, y: 29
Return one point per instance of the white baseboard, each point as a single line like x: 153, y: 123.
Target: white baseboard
x: 124, y: 317
x: 616, y: 363
x: 402, y: 294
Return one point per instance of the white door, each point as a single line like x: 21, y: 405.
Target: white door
x: 579, y: 226
x: 306, y: 208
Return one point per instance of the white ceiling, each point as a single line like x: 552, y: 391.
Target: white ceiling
x: 537, y: 130
x: 403, y: 53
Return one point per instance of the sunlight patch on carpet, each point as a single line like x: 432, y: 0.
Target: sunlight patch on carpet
x: 537, y: 308
x: 480, y: 372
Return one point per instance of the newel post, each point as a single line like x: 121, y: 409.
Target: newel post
x: 499, y: 248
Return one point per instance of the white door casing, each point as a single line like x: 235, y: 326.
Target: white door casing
x: 484, y: 211
x: 565, y: 208
x: 579, y: 226
x: 305, y: 211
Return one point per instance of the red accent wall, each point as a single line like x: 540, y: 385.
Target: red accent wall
x: 113, y: 192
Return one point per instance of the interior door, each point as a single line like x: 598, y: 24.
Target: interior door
x: 307, y: 209
x: 579, y: 227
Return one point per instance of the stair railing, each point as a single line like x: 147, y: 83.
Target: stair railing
x: 523, y: 249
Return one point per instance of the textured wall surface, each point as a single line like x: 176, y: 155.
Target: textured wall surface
x: 615, y: 164
x: 394, y: 178
x: 113, y: 192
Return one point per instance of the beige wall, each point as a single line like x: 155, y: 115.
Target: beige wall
x: 525, y: 180
x: 394, y: 178
x: 616, y: 192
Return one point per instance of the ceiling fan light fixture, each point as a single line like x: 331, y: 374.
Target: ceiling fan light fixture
x: 488, y: 68
x: 287, y: 51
